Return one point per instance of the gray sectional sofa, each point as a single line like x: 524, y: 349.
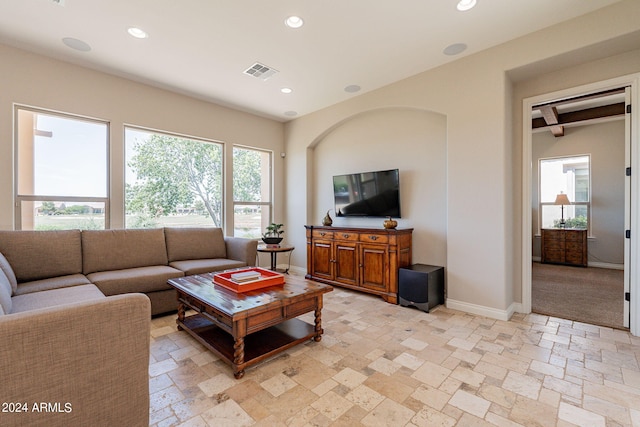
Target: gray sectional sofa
x: 75, y: 309
x: 119, y: 261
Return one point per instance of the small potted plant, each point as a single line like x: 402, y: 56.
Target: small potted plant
x: 273, y: 235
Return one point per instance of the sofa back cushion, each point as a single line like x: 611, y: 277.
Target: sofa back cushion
x: 107, y: 250
x: 8, y: 271
x: 194, y: 243
x: 5, y: 294
x: 35, y: 255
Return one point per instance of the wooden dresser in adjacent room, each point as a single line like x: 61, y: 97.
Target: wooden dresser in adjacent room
x: 364, y: 259
x: 564, y: 246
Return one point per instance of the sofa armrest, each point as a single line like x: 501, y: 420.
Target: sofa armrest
x: 241, y: 249
x: 85, y: 363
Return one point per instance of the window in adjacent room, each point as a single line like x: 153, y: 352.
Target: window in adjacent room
x: 252, y: 198
x: 172, y: 180
x: 61, y: 169
x: 570, y: 176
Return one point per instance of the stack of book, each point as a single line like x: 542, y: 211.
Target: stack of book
x: 245, y: 276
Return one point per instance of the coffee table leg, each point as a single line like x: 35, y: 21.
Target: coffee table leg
x: 318, y: 324
x: 181, y: 311
x: 238, y: 357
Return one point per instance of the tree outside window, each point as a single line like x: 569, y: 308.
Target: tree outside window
x: 172, y: 181
x: 252, y: 205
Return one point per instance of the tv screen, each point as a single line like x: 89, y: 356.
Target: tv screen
x: 372, y: 194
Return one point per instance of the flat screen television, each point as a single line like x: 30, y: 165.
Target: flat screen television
x: 367, y: 194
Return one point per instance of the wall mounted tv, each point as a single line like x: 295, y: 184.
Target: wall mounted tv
x: 367, y: 194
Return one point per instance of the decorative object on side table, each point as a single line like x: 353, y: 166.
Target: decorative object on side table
x: 273, y: 235
x: 389, y: 223
x: 327, y: 221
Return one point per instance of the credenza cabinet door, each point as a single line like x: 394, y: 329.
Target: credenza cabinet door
x: 374, y: 266
x: 322, y: 265
x: 346, y: 263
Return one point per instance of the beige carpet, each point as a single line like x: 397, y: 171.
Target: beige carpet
x: 590, y: 295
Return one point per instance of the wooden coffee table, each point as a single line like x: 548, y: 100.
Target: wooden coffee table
x: 245, y: 328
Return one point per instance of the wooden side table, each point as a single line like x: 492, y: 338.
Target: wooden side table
x: 273, y: 251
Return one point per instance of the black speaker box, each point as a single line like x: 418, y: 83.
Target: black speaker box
x: 421, y: 286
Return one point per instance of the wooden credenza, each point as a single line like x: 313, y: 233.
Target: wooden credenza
x: 364, y: 259
x: 564, y: 246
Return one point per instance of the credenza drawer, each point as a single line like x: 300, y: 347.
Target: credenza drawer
x: 574, y: 236
x: 374, y: 238
x: 321, y: 234
x: 351, y: 237
x: 554, y: 244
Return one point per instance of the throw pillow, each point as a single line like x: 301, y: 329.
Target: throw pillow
x: 8, y: 271
x: 5, y: 293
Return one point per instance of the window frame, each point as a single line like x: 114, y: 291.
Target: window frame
x: 19, y: 198
x: 541, y: 204
x: 235, y: 203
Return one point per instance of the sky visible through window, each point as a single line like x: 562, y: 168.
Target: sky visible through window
x: 72, y: 161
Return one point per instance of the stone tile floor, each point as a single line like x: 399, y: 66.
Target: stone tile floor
x: 380, y: 364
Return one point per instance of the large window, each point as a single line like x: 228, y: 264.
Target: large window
x: 568, y: 176
x: 251, y: 191
x: 172, y: 181
x: 61, y: 171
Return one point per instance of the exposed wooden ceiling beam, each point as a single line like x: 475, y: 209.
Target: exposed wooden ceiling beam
x: 550, y: 116
x: 587, y: 97
x: 580, y: 116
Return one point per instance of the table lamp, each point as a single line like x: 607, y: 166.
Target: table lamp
x: 562, y: 199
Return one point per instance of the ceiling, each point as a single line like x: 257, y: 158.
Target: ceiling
x: 201, y: 48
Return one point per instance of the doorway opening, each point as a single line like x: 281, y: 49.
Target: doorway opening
x: 605, y: 215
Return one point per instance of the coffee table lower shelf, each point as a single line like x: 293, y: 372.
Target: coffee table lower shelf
x: 258, y: 346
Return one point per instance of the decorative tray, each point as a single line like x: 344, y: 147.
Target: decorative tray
x: 248, y: 279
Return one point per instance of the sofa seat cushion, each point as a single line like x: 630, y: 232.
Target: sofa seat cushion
x: 139, y: 279
x: 198, y: 266
x: 194, y: 243
x: 52, y: 283
x: 53, y: 297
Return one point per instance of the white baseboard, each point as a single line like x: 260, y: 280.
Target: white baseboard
x: 593, y: 264
x: 481, y: 310
x: 606, y: 265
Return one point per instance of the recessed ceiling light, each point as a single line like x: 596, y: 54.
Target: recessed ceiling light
x: 286, y: 90
x: 352, y: 88
x: 454, y: 49
x: 137, y: 33
x: 76, y: 44
x: 294, y: 22
x: 466, y: 5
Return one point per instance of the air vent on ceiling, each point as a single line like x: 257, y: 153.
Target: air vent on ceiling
x: 58, y: 2
x: 260, y: 71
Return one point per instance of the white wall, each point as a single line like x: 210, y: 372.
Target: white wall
x: 605, y: 143
x: 483, y: 215
x: 43, y: 82
x: 410, y: 140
